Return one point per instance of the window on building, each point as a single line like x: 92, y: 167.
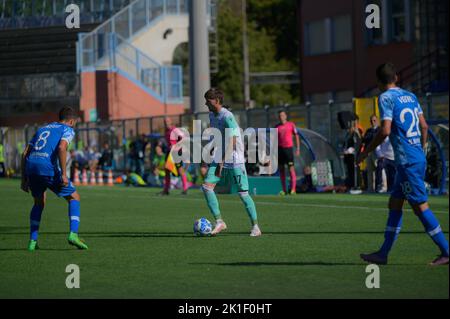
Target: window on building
x: 395, y: 22
x: 375, y: 35
x: 399, y: 20
x: 342, y: 33
x: 317, y: 38
x: 329, y: 35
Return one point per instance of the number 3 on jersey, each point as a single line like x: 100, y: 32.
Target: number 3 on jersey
x: 413, y: 130
x: 42, y: 140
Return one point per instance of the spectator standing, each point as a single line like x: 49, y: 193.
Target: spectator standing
x: 351, y: 146
x: 385, y: 155
x: 158, y: 165
x: 371, y: 162
x: 106, y: 159
x: 139, y: 152
x: 131, y: 156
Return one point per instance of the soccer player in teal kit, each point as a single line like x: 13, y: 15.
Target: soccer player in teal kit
x: 404, y: 123
x: 44, y: 166
x: 232, y: 171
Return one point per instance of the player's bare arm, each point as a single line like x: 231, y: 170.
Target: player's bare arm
x: 384, y: 132
x: 24, y: 184
x: 297, y: 143
x: 62, y: 156
x: 423, y: 130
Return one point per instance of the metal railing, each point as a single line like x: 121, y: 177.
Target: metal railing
x: 321, y: 118
x: 116, y: 54
x: 127, y: 23
x: 108, y: 47
x: 421, y: 76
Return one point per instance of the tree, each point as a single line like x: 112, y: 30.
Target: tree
x: 229, y: 78
x: 264, y: 51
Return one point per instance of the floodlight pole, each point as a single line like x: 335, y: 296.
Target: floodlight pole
x: 198, y: 54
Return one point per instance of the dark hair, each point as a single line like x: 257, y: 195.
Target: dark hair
x: 386, y: 73
x: 214, y: 94
x: 282, y: 111
x: 67, y: 113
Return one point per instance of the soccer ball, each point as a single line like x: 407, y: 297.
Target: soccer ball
x: 202, y: 227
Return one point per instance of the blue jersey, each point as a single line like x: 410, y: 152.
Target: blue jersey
x: 403, y: 109
x: 43, y: 157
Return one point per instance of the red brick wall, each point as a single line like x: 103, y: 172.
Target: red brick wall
x: 125, y: 99
x: 351, y: 70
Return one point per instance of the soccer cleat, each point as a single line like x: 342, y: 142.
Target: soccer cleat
x: 440, y: 261
x: 32, y: 245
x: 75, y: 241
x: 220, y: 226
x: 256, y: 232
x: 282, y: 193
x: 374, y: 258
x: 184, y: 192
x: 293, y: 192
x: 163, y: 193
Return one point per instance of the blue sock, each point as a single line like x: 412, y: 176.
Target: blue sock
x: 433, y: 229
x: 74, y: 215
x: 393, y: 227
x: 35, y: 221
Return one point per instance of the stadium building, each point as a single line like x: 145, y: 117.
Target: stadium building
x: 117, y: 65
x: 336, y: 43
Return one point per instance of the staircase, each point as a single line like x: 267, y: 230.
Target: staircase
x: 121, y: 44
x: 429, y: 74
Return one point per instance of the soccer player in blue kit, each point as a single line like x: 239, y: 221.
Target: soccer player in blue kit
x: 403, y: 121
x: 44, y: 166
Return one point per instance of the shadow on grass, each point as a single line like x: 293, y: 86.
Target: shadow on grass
x: 8, y: 229
x: 38, y: 250
x: 224, y: 234
x: 300, y: 263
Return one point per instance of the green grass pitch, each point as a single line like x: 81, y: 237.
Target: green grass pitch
x: 142, y: 246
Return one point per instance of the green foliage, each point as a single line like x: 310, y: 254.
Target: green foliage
x: 230, y: 76
x: 271, y: 48
x: 278, y: 18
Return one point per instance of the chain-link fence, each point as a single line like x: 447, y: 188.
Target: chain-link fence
x: 321, y: 119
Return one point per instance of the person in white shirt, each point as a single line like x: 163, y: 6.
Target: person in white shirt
x: 385, y: 161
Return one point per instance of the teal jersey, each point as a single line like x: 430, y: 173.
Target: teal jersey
x: 225, y: 122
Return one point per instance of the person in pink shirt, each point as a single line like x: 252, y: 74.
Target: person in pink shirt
x: 286, y: 132
x: 173, y: 135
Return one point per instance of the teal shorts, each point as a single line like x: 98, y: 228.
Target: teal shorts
x: 230, y: 176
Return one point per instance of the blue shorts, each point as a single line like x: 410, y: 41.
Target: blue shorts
x: 39, y: 184
x: 410, y: 183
